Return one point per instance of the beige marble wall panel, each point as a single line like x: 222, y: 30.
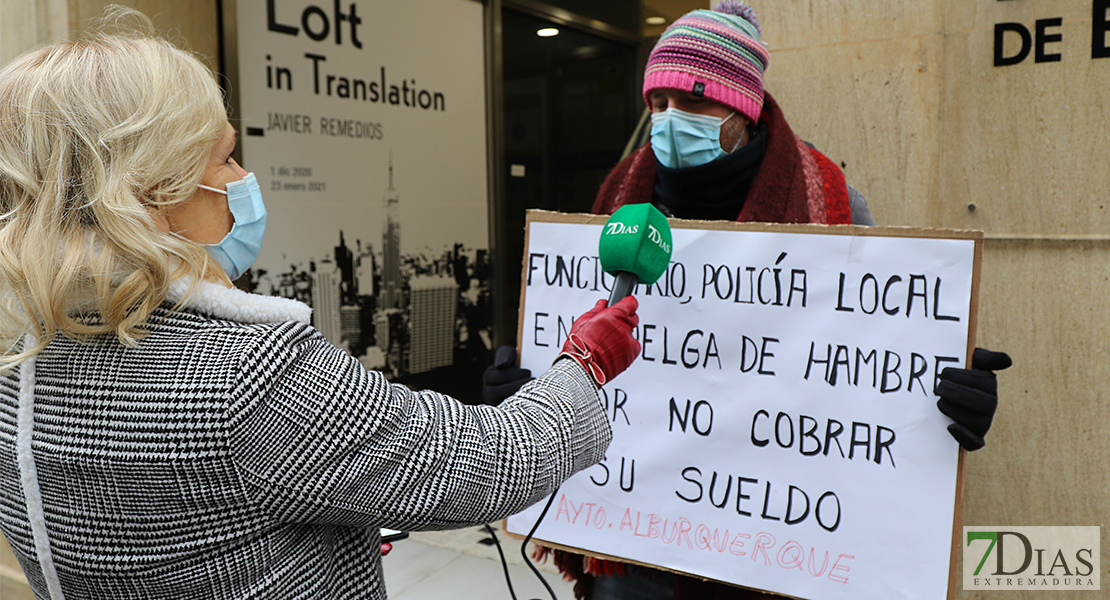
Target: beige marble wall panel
x: 807, y: 23
x: 189, y: 24
x: 1027, y: 143
x: 1045, y: 463
x: 15, y: 36
x: 962, y: 15
x: 25, y: 24
x: 13, y: 585
x: 872, y: 107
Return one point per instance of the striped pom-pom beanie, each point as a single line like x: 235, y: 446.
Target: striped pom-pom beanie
x: 716, y: 54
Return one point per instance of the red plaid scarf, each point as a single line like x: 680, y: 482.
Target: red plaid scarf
x: 795, y: 184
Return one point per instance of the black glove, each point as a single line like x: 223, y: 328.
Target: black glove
x: 504, y: 378
x: 970, y: 396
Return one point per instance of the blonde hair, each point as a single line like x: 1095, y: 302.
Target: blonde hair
x: 94, y: 135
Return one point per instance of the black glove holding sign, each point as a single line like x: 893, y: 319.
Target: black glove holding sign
x: 504, y: 378
x: 970, y: 396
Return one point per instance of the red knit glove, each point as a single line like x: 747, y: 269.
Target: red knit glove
x: 601, y: 340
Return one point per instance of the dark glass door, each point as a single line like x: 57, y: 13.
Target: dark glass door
x: 570, y: 106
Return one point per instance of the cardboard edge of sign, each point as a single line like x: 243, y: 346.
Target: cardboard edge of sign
x: 976, y: 236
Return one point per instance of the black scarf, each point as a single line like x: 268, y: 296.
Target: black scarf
x: 713, y: 191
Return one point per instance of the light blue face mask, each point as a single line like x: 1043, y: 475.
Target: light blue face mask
x: 239, y: 248
x: 681, y: 139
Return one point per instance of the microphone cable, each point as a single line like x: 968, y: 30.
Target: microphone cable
x: 524, y: 551
x: 504, y: 563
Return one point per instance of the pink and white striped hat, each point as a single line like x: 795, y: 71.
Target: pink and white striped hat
x: 716, y: 54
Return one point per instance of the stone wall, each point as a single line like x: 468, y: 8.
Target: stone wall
x: 905, y: 95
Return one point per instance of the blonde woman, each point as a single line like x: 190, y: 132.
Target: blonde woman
x: 164, y: 435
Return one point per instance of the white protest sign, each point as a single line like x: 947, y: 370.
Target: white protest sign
x: 779, y: 430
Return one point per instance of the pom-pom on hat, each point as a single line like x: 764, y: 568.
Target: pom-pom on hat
x: 717, y: 54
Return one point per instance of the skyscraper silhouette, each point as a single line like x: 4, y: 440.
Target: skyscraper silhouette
x: 391, y: 292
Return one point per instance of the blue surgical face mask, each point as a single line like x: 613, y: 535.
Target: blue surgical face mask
x: 681, y: 139
x: 239, y: 248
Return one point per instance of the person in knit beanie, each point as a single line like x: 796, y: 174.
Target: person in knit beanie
x: 720, y: 145
x: 721, y: 148
x: 713, y: 55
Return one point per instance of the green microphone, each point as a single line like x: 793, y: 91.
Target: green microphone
x: 635, y: 247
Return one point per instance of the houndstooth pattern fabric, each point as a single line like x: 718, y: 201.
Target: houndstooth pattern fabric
x: 227, y: 460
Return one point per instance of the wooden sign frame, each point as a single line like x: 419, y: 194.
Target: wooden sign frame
x: 540, y: 216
